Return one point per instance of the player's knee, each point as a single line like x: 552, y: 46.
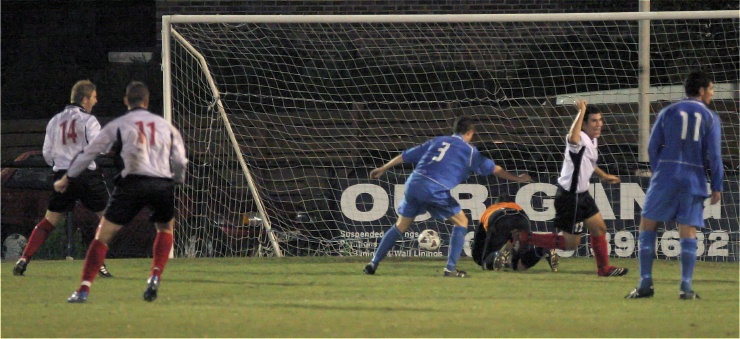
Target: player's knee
x: 460, y: 220
x: 572, y: 241
x: 54, y: 218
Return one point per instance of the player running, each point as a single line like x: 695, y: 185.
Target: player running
x: 574, y: 206
x: 441, y: 164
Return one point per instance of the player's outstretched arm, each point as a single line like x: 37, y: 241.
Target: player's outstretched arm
x: 378, y: 172
x: 606, y: 177
x: 504, y: 174
x: 574, y: 133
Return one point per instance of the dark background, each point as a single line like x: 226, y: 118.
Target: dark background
x: 48, y: 45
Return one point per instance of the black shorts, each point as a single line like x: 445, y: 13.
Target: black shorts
x: 135, y: 192
x: 89, y: 188
x: 572, y: 209
x: 509, y: 221
x: 500, y: 225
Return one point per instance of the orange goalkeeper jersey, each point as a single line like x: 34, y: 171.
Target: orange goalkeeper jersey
x: 495, y: 207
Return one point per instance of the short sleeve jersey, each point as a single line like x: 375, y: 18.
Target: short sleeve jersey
x: 150, y: 146
x: 579, y: 164
x: 67, y: 134
x: 446, y: 161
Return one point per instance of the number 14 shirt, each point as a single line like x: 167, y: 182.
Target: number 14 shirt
x: 67, y: 134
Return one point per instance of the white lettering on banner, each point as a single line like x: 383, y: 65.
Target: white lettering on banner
x: 477, y: 202
x: 699, y: 244
x: 720, y: 239
x: 624, y: 244
x: 669, y: 244
x: 467, y: 249
x: 524, y: 199
x: 380, y: 203
x: 602, y: 202
x: 630, y: 194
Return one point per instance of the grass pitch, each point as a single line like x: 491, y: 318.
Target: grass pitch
x: 331, y: 297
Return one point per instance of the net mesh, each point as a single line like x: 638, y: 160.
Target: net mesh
x: 315, y: 107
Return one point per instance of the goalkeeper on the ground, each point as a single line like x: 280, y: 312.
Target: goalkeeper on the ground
x: 495, y: 246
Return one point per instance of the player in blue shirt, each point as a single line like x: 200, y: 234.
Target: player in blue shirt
x: 441, y: 164
x: 685, y: 137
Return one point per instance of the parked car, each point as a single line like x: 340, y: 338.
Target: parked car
x: 26, y: 186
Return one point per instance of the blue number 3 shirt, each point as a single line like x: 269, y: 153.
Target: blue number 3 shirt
x: 445, y: 162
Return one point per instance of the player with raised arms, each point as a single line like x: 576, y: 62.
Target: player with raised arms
x: 574, y: 206
x: 441, y: 164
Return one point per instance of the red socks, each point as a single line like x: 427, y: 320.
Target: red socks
x: 161, y: 251
x: 93, y: 260
x: 38, y: 236
x: 544, y: 240
x: 601, y: 251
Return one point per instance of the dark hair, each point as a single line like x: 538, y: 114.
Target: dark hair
x: 136, y: 93
x: 590, y: 109
x: 694, y: 81
x: 462, y: 125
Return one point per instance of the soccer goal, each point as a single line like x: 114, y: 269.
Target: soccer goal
x: 284, y: 117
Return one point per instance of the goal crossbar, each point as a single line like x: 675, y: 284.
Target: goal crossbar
x: 453, y: 18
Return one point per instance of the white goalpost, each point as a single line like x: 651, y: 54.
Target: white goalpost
x: 285, y: 115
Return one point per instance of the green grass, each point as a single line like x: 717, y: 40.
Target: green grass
x: 330, y: 297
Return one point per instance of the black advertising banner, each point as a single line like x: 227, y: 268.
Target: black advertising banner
x: 368, y: 208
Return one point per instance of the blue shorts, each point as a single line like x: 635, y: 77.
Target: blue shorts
x: 420, y: 199
x: 674, y: 203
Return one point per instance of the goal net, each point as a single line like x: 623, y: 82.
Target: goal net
x: 284, y: 117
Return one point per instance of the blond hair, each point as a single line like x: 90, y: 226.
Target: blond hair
x: 82, y: 89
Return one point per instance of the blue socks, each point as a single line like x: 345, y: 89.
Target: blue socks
x: 386, y: 243
x: 688, y: 261
x: 457, y: 241
x: 646, y: 252
x: 647, y: 249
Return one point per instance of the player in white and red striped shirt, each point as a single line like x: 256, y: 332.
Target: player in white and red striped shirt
x: 67, y: 134
x: 154, y: 159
